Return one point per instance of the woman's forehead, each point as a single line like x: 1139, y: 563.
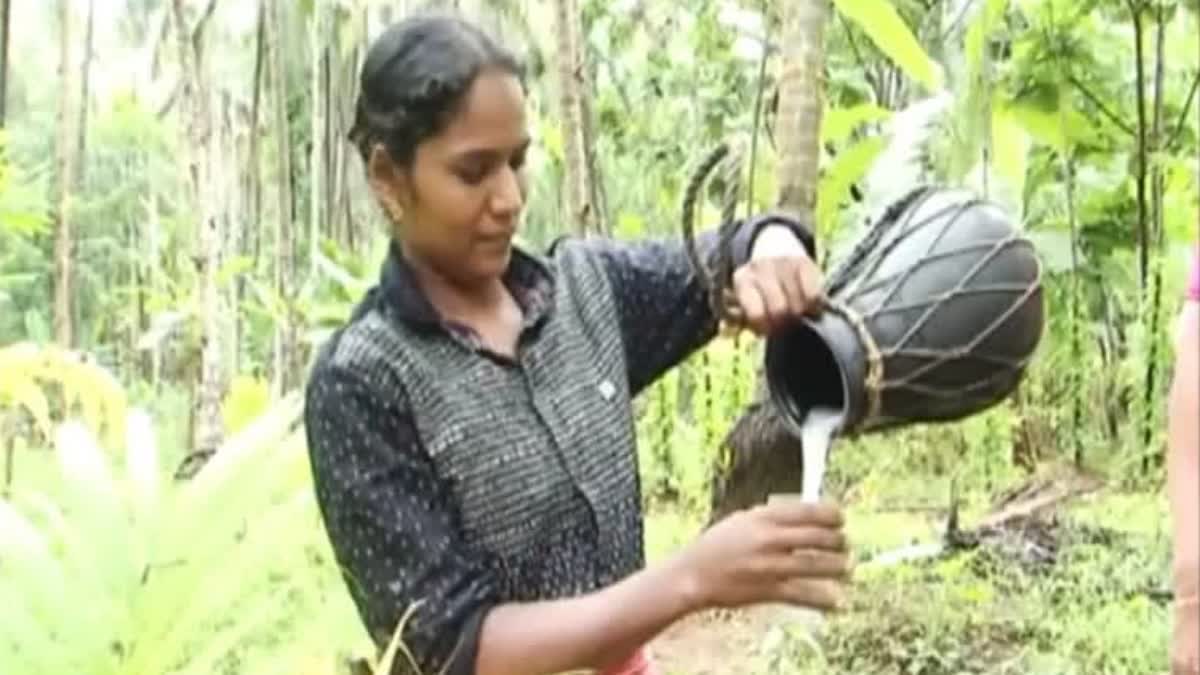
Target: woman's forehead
x: 492, y: 116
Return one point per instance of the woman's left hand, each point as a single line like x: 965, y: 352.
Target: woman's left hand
x: 779, y: 284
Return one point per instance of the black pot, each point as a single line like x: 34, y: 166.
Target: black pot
x: 932, y: 317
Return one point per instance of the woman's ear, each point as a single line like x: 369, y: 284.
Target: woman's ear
x: 387, y: 182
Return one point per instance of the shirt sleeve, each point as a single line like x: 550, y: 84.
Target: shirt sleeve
x: 663, y: 307
x: 392, y: 527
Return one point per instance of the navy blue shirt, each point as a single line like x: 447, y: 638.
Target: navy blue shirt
x: 451, y: 479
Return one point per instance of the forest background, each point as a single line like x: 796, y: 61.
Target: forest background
x: 182, y: 221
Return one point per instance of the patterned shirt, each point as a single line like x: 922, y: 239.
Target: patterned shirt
x: 451, y: 478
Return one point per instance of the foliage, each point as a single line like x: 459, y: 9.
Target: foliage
x: 1034, y: 103
x: 48, y: 383
x: 227, y: 572
x: 140, y: 572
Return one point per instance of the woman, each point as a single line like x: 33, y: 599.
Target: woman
x: 1183, y: 485
x: 470, y: 427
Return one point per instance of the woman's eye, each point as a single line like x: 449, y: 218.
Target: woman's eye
x: 472, y: 174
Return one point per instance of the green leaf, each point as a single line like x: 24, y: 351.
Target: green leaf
x: 1180, y: 211
x: 350, y: 285
x: 629, y: 226
x: 142, y: 466
x: 1043, y: 126
x: 146, y: 576
x: 247, y: 398
x: 835, y: 184
x: 552, y: 141
x: 1054, y: 248
x: 1010, y: 150
x: 978, y: 31
x: 26, y: 393
x: 839, y: 123
x: 887, y: 29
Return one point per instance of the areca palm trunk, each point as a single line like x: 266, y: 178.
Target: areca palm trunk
x: 759, y: 456
x: 572, y: 89
x: 202, y: 172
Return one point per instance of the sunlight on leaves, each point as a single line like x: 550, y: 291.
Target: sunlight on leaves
x: 1010, y: 148
x: 1053, y: 247
x: 888, y: 30
x: 247, y: 398
x: 169, y: 572
x: 29, y: 372
x: 846, y: 169
x: 838, y: 123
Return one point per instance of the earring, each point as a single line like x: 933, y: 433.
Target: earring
x: 392, y: 210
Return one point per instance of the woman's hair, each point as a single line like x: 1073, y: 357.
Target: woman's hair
x: 414, y: 77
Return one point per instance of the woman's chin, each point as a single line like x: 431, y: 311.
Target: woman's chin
x: 495, y: 259
x: 490, y: 264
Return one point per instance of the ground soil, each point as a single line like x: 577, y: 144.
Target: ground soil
x: 712, y: 643
x: 730, y: 642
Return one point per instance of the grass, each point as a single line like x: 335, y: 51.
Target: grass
x: 1093, y: 612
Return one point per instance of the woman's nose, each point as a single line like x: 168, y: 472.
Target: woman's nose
x: 508, y: 195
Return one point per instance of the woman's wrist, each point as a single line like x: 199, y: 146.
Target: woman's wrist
x: 592, y: 631
x: 684, y: 585
x: 776, y: 240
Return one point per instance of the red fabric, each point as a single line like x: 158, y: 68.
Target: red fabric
x: 638, y: 664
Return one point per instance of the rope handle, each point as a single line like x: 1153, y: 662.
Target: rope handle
x: 717, y: 282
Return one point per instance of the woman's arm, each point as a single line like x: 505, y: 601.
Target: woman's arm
x: 1183, y: 441
x: 391, y: 524
x: 393, y: 529
x: 1183, y: 480
x: 664, y: 310
x: 594, y: 631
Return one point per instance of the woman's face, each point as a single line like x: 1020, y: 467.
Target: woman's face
x: 461, y: 199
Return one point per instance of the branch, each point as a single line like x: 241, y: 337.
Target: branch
x: 168, y: 104
x: 956, y: 23
x: 1187, y: 106
x: 862, y: 62
x: 201, y: 23
x: 1112, y: 117
x: 155, y: 42
x: 1039, y: 499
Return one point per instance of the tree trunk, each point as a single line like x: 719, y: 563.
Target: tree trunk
x: 202, y: 181
x: 1142, y: 231
x: 572, y: 82
x: 5, y: 12
x: 252, y: 187
x: 1157, y: 189
x: 85, y: 93
x: 283, y: 375
x: 64, y: 239
x: 761, y: 457
x: 318, y: 176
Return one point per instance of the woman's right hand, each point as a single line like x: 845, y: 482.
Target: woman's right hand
x: 785, y: 551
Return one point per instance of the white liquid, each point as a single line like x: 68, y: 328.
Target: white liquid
x: 816, y: 435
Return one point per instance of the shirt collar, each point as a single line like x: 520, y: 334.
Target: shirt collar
x: 527, y: 277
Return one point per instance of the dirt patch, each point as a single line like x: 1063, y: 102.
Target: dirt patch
x: 994, y: 602
x: 713, y: 643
